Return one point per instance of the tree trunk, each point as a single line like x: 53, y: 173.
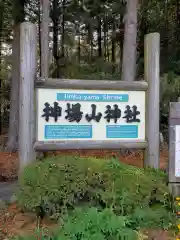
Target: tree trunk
x: 99, y: 37
x: 63, y: 29
x: 12, y: 143
x: 45, y: 38
x: 18, y: 16
x: 113, y: 50
x: 166, y: 39
x: 90, y: 41
x: 55, y: 19
x: 130, y: 35
x: 105, y: 38
x: 1, y: 27
x: 143, y: 25
x: 79, y: 44
x: 39, y: 32
x: 178, y: 20
x: 177, y: 34
x: 121, y: 40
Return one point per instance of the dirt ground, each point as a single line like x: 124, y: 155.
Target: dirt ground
x: 8, y: 166
x: 9, y: 161
x: 13, y: 222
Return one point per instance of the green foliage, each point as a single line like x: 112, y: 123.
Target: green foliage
x: 91, y: 225
x: 100, y: 70
x: 151, y: 217
x: 170, y: 91
x: 61, y: 184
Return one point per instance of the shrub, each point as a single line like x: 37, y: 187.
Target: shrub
x: 62, y: 183
x: 151, y: 218
x: 91, y: 224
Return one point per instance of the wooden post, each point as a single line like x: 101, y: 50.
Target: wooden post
x: 45, y: 39
x: 173, y: 164
x: 28, y: 54
x: 151, y: 65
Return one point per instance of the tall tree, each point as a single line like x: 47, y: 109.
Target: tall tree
x: 1, y: 28
x: 18, y: 17
x: 55, y: 20
x: 130, y: 35
x: 99, y: 35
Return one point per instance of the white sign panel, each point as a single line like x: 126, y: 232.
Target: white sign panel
x: 177, y: 150
x: 64, y: 114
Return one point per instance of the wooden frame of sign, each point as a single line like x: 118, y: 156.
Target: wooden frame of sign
x: 28, y: 143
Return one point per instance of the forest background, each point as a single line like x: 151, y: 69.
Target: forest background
x: 89, y: 40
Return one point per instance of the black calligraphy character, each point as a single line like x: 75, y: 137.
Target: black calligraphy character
x: 49, y: 111
x: 74, y: 113
x: 131, y: 115
x: 56, y: 111
x: 112, y: 113
x: 93, y: 116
